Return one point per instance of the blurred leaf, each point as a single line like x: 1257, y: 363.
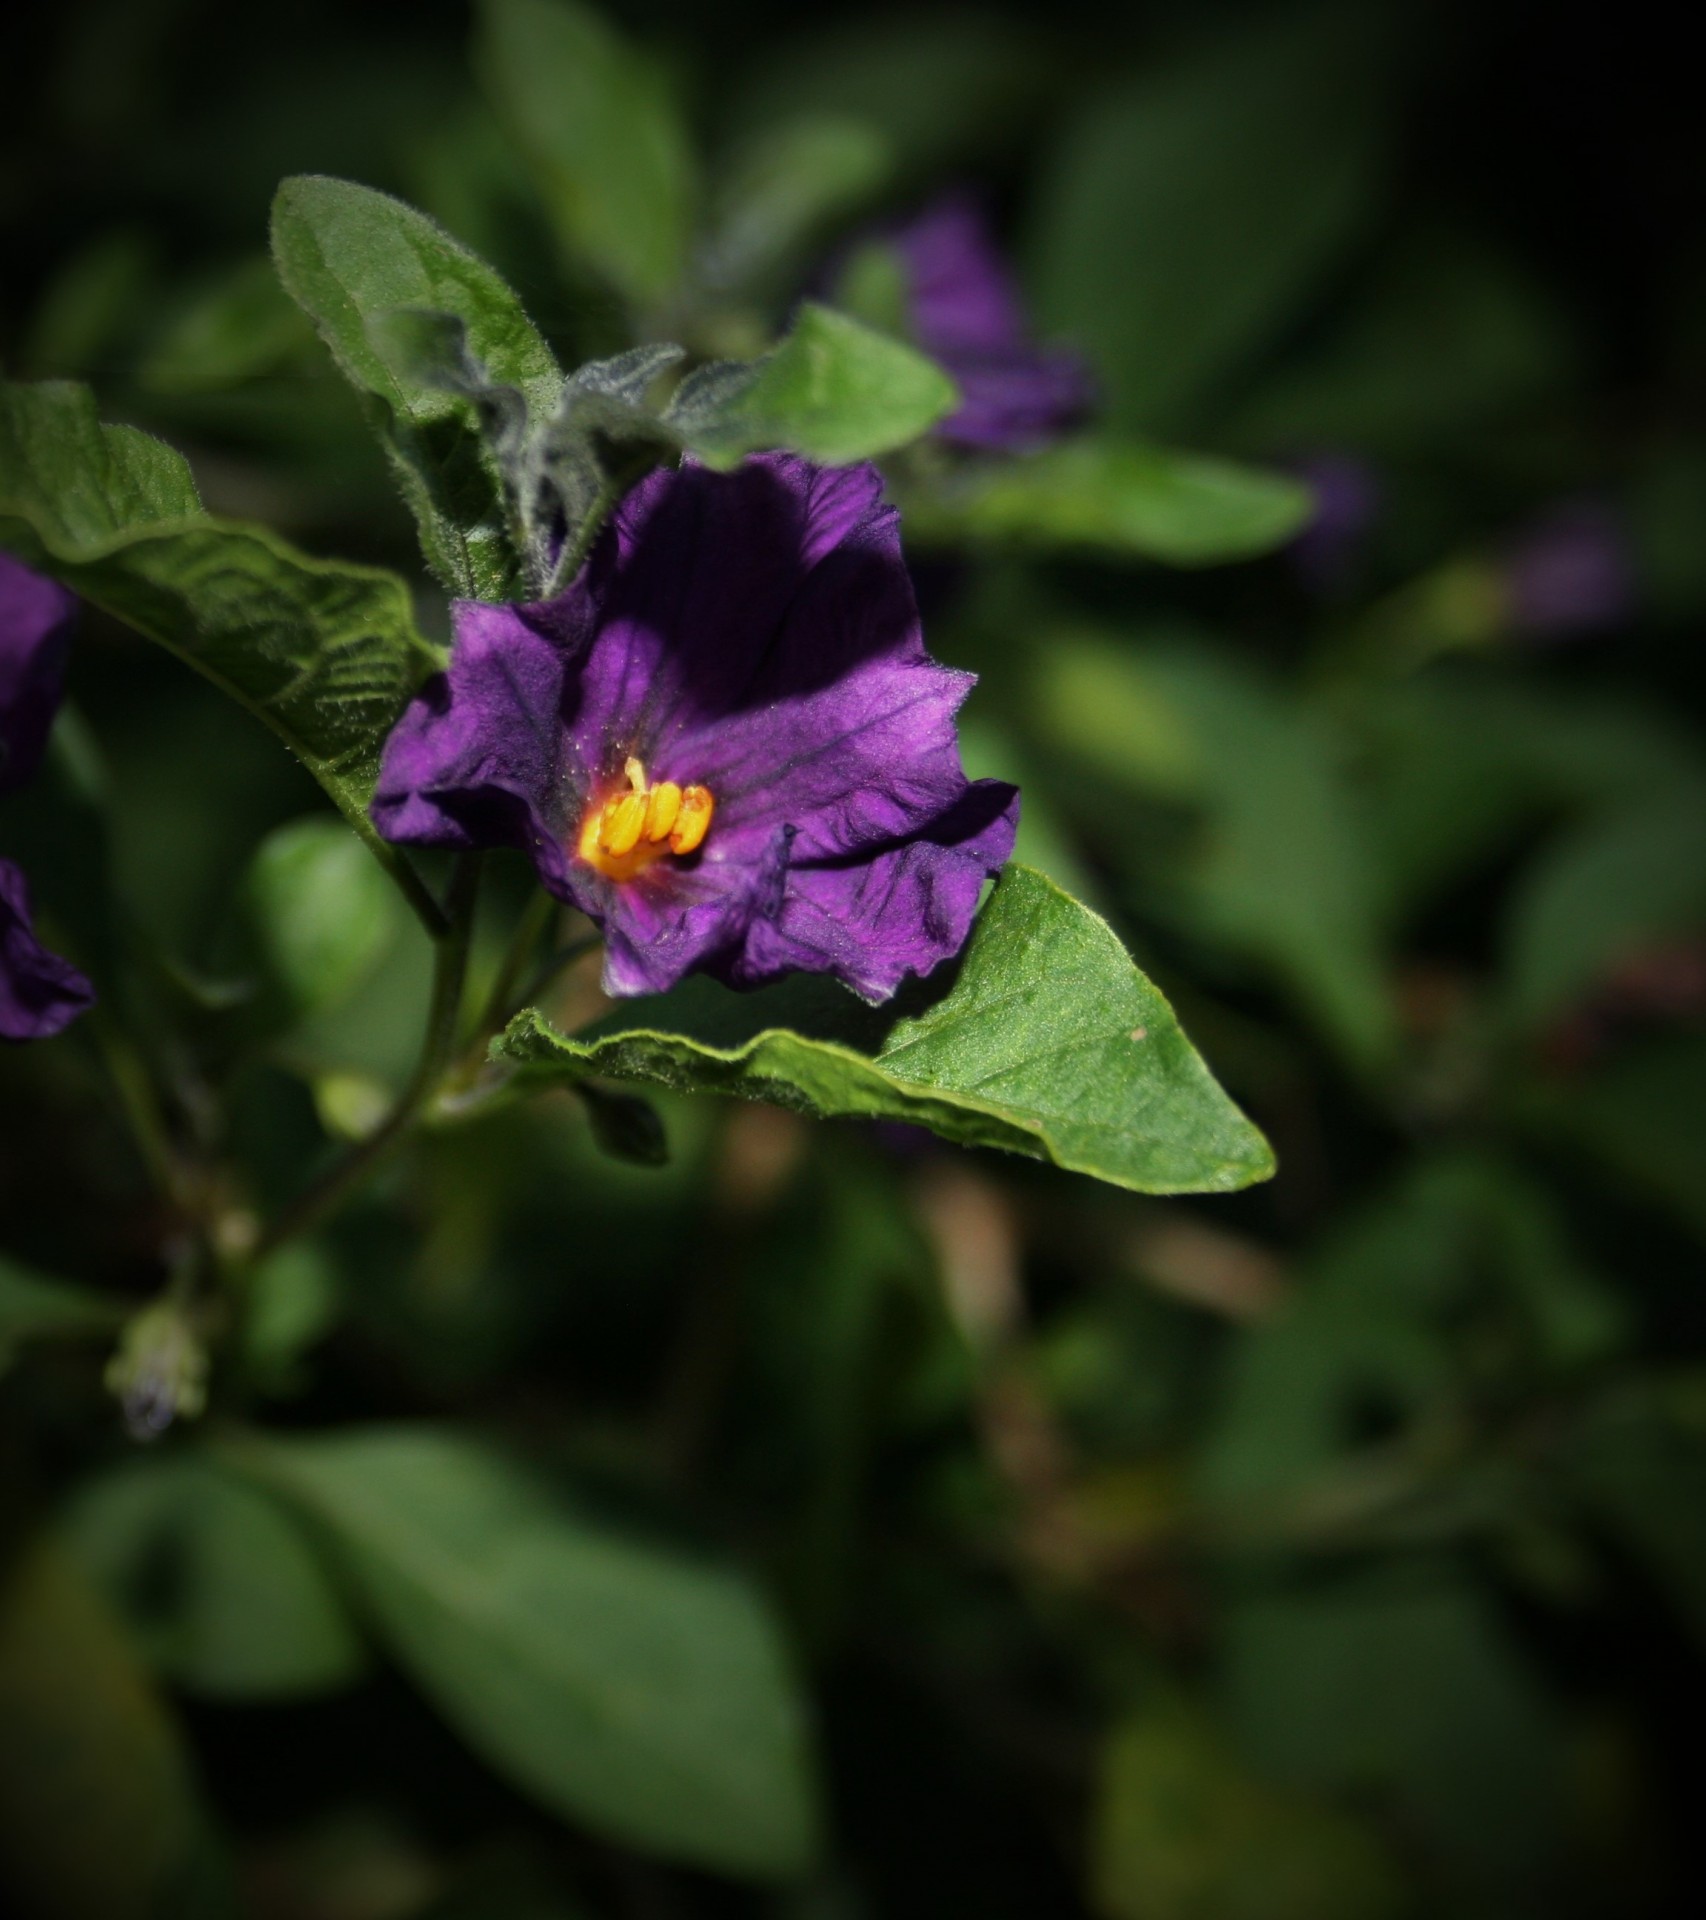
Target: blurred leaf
x: 236, y: 326
x: 293, y: 1301
x: 833, y: 390
x: 1280, y: 868
x: 1620, y: 881
x: 221, y: 1589
x: 1190, y: 212
x: 1050, y: 1043
x: 324, y: 653
x: 1117, y: 497
x: 98, y: 1817
x: 1401, y: 1685
x: 595, y: 119
x: 1448, y: 334
x: 1464, y: 760
x: 1641, y: 1471
x: 936, y: 84
x: 1360, y: 1364
x: 353, y: 260
x: 322, y: 911
x: 34, y: 1306
x: 783, y: 188
x: 1183, y: 1831
x: 89, y: 312
x: 625, y: 1686
x: 1642, y: 1115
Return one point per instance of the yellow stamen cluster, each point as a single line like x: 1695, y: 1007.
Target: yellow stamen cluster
x: 624, y: 834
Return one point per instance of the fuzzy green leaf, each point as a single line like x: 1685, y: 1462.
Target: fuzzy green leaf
x: 325, y: 653
x: 354, y: 260
x: 1050, y: 1043
x: 1118, y: 497
x: 834, y: 390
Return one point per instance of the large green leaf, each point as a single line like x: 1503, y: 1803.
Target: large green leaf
x: 325, y: 653
x: 1616, y: 885
x: 215, y: 1578
x: 1118, y: 497
x: 354, y: 260
x: 321, y: 913
x: 834, y: 390
x: 1191, y: 210
x: 35, y: 1307
x: 1281, y: 869
x: 607, y: 147
x: 1050, y: 1043
x: 1185, y: 1831
x: 98, y: 1813
x: 640, y: 1691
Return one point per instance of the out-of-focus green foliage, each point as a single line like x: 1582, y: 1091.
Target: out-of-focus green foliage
x: 633, y: 1501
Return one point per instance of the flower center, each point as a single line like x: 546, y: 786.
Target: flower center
x: 622, y: 835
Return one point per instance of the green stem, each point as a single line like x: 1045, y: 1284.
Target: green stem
x: 438, y: 1045
x: 569, y: 561
x: 534, y: 924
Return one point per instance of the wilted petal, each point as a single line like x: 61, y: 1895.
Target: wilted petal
x: 35, y: 634
x: 39, y: 992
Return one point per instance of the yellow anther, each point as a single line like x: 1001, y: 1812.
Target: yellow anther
x: 623, y: 822
x: 662, y: 805
x: 693, y: 822
x: 636, y: 825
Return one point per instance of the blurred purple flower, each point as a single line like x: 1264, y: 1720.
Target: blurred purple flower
x: 1572, y: 572
x: 725, y: 742
x: 39, y: 992
x: 965, y: 312
x: 1347, y: 502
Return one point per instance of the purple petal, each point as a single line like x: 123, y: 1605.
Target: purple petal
x: 966, y: 313
x: 35, y: 635
x: 754, y: 633
x: 39, y: 992
x: 476, y: 759
x: 1571, y: 572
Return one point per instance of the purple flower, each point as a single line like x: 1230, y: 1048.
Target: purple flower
x: 725, y: 742
x: 965, y: 313
x: 1347, y: 502
x: 1570, y: 573
x: 35, y: 634
x: 39, y: 992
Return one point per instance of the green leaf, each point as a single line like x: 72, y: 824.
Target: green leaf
x: 1281, y: 869
x: 1402, y: 1685
x: 322, y: 911
x: 220, y: 1587
x: 98, y: 1816
x: 783, y: 189
x: 833, y: 390
x: 325, y: 653
x: 607, y: 147
x: 1623, y: 881
x: 1118, y: 497
x: 1190, y: 212
x: 1448, y: 334
x: 632, y: 1688
x: 35, y: 1307
x: 1643, y: 1116
x: 1184, y: 1831
x: 353, y: 260
x: 1050, y: 1043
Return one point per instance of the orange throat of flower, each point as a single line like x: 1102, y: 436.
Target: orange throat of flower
x: 625, y: 833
